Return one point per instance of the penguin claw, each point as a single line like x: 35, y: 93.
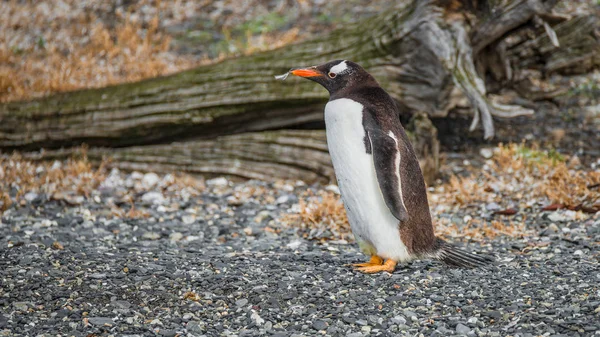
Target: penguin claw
x: 375, y: 261
x: 388, y: 266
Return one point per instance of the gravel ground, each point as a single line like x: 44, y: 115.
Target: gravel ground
x: 220, y: 263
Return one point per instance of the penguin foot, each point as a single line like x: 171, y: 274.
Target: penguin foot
x: 375, y: 261
x: 389, y: 266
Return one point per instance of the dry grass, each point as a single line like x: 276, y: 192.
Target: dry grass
x: 127, y: 52
x: 73, y: 177
x: 516, y: 176
x: 319, y: 213
x: 524, y: 174
x: 64, y: 45
x: 75, y: 180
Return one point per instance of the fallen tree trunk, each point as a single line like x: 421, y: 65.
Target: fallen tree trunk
x: 269, y: 155
x: 431, y: 56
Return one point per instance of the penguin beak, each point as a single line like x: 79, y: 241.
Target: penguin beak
x: 306, y: 72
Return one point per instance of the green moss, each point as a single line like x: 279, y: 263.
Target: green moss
x: 535, y: 155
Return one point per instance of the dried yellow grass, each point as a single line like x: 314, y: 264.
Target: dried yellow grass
x: 57, y: 46
x: 321, y: 211
x: 522, y: 173
x: 75, y: 178
x: 516, y: 173
x: 126, y: 53
x: 73, y: 175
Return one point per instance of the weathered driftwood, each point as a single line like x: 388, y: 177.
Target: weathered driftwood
x: 269, y: 155
x: 425, y: 53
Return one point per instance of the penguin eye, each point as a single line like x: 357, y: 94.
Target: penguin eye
x: 332, y: 75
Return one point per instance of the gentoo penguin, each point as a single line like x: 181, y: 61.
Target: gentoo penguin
x: 378, y: 173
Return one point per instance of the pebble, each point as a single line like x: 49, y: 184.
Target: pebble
x: 319, y: 325
x: 151, y: 236
x: 156, y: 198
x: 175, y: 237
x: 30, y: 196
x: 400, y: 320
x: 241, y: 302
x: 100, y: 321
x: 256, y: 318
x: 462, y: 329
x: 150, y: 180
x: 217, y: 182
x: 194, y: 327
x: 21, y: 306
x: 188, y: 219
x: 556, y: 217
x: 486, y: 153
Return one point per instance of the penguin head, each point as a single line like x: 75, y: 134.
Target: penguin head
x: 335, y: 75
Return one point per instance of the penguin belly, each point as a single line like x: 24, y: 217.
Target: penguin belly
x: 373, y: 225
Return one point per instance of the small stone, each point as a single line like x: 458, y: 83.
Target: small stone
x: 399, y: 320
x: 319, y: 325
x: 194, y: 327
x: 217, y: 182
x: 100, y: 321
x: 486, y: 153
x: 282, y: 199
x: 151, y: 236
x: 492, y: 206
x: 234, y: 201
x: 188, y: 219
x: 294, y: 244
x: 262, y: 216
x: 462, y: 329
x: 578, y: 252
x: 361, y: 322
x: 557, y: 217
x: 30, y: 196
x: 150, y: 180
x: 241, y: 302
x: 472, y: 320
x: 98, y: 276
x: 21, y: 306
x: 553, y: 227
x: 121, y: 304
x: 135, y: 175
x: 411, y: 315
x: 153, y: 197
x: 175, y: 236
x: 168, y: 333
x: 256, y: 318
x: 268, y: 326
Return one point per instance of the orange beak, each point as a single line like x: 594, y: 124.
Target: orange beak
x: 306, y: 72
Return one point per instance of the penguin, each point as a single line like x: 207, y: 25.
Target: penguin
x: 378, y: 173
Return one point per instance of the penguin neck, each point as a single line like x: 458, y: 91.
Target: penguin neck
x: 363, y: 81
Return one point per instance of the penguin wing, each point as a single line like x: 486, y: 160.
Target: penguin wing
x: 386, y: 157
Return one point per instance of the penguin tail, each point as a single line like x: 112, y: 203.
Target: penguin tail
x: 456, y: 257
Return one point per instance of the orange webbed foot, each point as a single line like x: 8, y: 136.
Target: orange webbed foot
x: 389, y: 266
x: 375, y: 261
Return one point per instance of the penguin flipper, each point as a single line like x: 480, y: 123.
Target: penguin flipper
x: 386, y: 157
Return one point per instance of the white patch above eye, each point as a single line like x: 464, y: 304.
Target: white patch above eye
x: 338, y: 68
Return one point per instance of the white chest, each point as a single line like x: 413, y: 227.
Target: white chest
x: 369, y: 216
